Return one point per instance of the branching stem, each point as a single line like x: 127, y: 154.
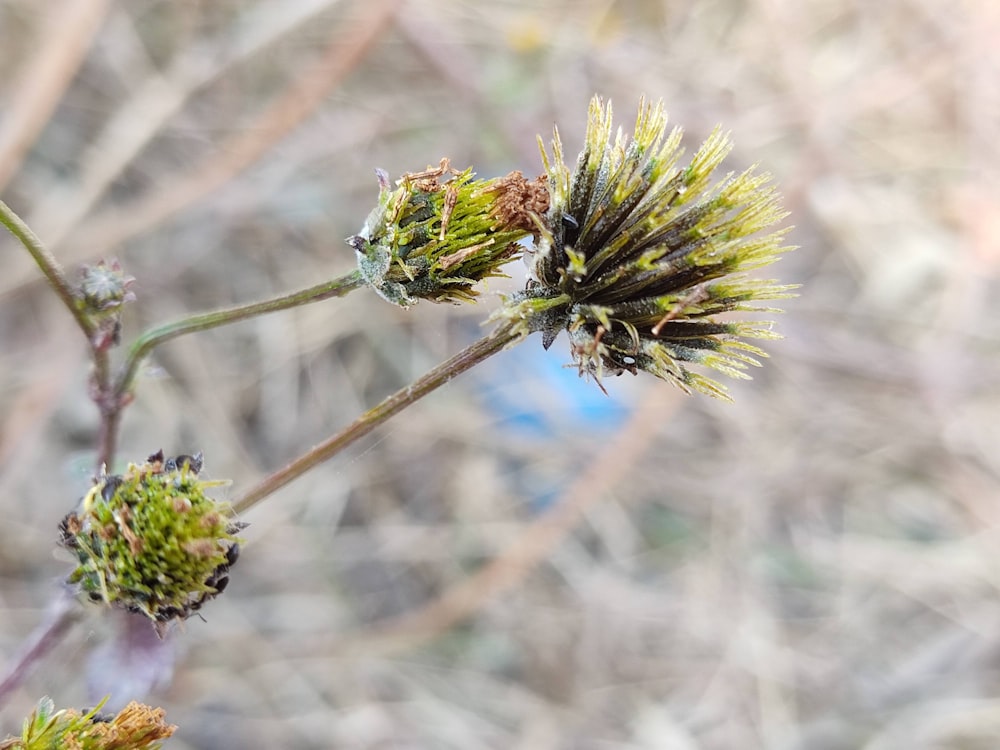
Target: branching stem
x: 112, y: 396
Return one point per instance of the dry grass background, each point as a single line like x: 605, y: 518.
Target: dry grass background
x: 815, y: 566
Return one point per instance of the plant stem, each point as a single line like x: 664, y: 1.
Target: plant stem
x: 441, y: 374
x: 107, y: 439
x: 110, y: 409
x: 49, y: 266
x: 54, y: 274
x: 63, y: 613
x: 153, y: 337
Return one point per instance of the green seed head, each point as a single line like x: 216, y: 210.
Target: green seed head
x: 151, y: 541
x: 440, y: 231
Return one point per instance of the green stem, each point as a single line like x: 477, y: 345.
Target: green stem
x: 153, y: 337
x: 464, y: 360
x: 54, y: 274
x: 49, y: 266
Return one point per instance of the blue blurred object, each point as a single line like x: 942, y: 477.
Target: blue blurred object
x: 538, y: 396
x: 537, y: 393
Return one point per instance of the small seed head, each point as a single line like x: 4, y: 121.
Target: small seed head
x: 440, y: 232
x: 150, y: 540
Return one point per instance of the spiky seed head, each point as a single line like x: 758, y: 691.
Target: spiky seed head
x: 640, y: 258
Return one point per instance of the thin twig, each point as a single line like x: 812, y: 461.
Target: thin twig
x: 438, y: 376
x: 63, y: 613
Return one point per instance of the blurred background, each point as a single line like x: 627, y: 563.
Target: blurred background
x: 519, y: 561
